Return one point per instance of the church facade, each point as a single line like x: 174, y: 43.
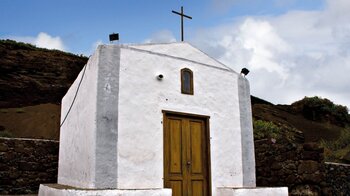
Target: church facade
x: 157, y: 119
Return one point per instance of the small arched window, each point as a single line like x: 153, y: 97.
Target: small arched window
x: 186, y: 81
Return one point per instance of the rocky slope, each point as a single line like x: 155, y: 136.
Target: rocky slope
x: 31, y: 76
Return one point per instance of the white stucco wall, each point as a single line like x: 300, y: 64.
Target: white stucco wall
x: 263, y: 191
x: 113, y: 137
x: 77, y: 135
x: 247, y: 137
x: 179, y: 50
x: 141, y: 100
x: 88, y: 140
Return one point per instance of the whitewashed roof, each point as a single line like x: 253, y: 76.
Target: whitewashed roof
x: 181, y: 50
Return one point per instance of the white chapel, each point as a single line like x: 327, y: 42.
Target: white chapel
x: 156, y: 119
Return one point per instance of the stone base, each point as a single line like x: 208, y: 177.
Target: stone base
x: 62, y: 190
x: 227, y: 191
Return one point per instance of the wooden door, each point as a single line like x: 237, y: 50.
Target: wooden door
x: 186, y: 157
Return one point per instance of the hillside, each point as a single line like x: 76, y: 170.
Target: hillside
x: 313, y: 129
x: 312, y: 119
x: 34, y: 80
x: 31, y: 75
x: 32, y: 83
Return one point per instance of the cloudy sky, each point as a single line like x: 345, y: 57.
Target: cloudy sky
x: 293, y: 48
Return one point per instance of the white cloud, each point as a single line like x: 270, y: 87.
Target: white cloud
x: 42, y: 40
x: 163, y: 36
x: 297, y: 54
x: 46, y: 41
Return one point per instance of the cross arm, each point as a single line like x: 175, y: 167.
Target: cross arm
x: 189, y: 17
x: 175, y: 12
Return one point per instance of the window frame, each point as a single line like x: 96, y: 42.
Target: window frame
x: 183, y: 91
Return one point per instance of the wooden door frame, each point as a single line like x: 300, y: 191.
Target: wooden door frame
x: 207, y: 130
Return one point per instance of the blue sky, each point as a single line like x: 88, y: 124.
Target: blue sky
x: 291, y: 47
x: 81, y: 23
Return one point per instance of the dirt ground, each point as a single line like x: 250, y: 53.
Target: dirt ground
x: 39, y: 121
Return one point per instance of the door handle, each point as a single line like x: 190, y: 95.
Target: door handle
x: 188, y: 165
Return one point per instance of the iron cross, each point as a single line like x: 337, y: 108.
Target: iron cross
x: 182, y: 21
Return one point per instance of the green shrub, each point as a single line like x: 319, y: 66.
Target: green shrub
x: 6, y: 134
x: 265, y: 129
x: 336, y: 149
x: 20, y: 110
x: 340, y: 143
x: 4, y: 110
x: 317, y: 108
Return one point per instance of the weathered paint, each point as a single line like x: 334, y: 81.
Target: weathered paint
x: 52, y: 190
x: 248, y: 156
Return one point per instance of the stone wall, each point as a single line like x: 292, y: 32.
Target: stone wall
x: 300, y: 167
x: 26, y: 163
x: 338, y: 177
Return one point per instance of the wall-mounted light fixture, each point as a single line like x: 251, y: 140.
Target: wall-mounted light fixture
x: 113, y: 36
x: 245, y: 71
x: 160, y: 77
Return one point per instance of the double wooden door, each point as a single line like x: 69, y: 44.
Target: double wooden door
x: 186, y: 157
